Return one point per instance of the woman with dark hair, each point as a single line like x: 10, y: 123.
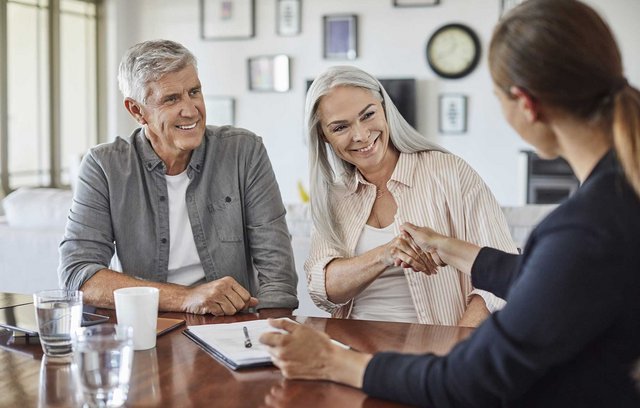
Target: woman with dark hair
x: 569, y: 335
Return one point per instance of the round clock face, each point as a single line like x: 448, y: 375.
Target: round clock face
x: 453, y: 51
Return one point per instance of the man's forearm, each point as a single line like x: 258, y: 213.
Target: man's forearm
x: 98, y: 290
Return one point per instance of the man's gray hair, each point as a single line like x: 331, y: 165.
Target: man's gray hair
x: 149, y: 61
x: 326, y: 170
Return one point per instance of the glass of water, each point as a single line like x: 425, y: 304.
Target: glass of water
x: 104, y: 356
x: 59, y: 313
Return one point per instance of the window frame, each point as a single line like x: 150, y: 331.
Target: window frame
x: 54, y: 112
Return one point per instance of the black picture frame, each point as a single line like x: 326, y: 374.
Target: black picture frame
x: 288, y: 17
x: 269, y: 73
x: 415, y: 3
x: 227, y: 19
x: 340, y: 36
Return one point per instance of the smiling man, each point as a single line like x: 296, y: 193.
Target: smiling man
x: 190, y: 209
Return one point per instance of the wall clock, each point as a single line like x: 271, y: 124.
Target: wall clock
x: 453, y: 51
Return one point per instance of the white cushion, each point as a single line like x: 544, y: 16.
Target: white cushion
x: 299, y: 220
x: 37, y: 208
x: 522, y: 220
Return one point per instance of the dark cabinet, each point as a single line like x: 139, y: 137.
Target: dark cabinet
x: 549, y: 181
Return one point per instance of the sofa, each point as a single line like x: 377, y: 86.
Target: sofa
x: 33, y: 220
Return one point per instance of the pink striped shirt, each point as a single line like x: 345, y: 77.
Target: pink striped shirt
x: 434, y: 189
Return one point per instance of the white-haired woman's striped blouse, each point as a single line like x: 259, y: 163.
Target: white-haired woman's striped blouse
x: 434, y: 189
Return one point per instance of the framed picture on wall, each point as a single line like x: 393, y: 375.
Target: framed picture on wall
x: 269, y: 73
x: 340, y: 36
x: 220, y: 110
x: 288, y: 17
x: 415, y: 3
x: 508, y: 5
x: 226, y: 19
x: 452, y: 116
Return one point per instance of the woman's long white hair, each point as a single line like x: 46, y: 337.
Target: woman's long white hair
x: 325, y: 176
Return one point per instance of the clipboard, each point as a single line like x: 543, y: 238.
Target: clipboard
x: 226, y: 343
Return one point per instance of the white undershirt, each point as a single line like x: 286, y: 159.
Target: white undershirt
x: 387, y: 298
x: 185, y: 267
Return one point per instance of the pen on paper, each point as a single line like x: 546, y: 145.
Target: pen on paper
x: 247, y: 339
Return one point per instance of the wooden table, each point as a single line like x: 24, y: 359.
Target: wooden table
x: 177, y: 373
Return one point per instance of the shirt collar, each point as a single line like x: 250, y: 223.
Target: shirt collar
x: 609, y: 161
x: 151, y: 159
x: 403, y: 173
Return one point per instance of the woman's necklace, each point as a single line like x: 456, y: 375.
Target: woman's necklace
x: 379, y: 193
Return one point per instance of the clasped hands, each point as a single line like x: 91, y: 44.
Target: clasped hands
x: 415, y: 248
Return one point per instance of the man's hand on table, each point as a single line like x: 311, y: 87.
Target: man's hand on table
x: 224, y: 296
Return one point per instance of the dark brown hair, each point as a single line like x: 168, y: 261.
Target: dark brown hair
x: 564, y: 54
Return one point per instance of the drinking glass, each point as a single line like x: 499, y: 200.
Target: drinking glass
x: 104, y: 355
x: 59, y: 313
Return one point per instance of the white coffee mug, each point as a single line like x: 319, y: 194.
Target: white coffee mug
x: 138, y: 307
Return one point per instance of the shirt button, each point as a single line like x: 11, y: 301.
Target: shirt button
x: 163, y: 240
x: 162, y: 198
x: 149, y: 165
x: 227, y: 199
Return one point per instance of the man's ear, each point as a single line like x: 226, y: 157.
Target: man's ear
x: 135, y: 110
x: 526, y: 103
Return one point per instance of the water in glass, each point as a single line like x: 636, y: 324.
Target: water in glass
x: 58, y: 313
x: 104, y: 355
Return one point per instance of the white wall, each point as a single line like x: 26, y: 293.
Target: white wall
x: 391, y: 44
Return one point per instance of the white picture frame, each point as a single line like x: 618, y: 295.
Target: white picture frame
x: 415, y: 3
x: 220, y: 110
x: 269, y: 73
x: 452, y: 116
x: 226, y: 19
x: 288, y: 17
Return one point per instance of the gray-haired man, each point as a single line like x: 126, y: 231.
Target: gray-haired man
x: 189, y: 209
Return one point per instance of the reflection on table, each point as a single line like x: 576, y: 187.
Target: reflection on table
x: 178, y: 373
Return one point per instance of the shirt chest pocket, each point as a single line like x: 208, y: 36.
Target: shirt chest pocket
x: 227, y: 218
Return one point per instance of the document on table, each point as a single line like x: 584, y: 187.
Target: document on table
x: 226, y: 342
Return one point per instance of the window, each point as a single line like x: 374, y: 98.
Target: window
x: 48, y: 83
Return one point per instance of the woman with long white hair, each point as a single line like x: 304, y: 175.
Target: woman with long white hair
x: 370, y: 172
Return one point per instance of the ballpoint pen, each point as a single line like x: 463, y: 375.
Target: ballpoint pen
x: 247, y: 339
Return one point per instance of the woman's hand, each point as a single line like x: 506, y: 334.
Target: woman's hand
x: 402, y: 251
x: 444, y: 250
x: 305, y: 353
x: 427, y: 240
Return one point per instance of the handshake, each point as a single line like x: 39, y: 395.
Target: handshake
x: 419, y: 248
